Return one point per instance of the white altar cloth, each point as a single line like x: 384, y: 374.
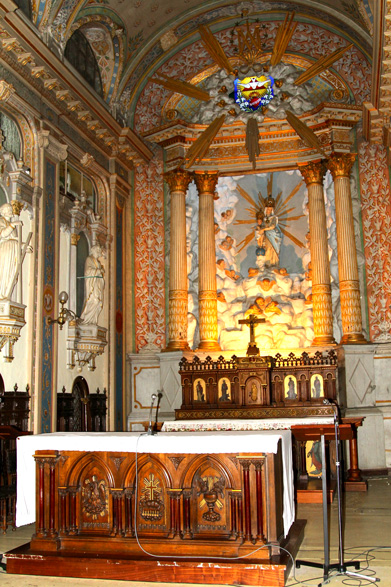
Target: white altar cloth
x: 243, y: 424
x: 172, y: 442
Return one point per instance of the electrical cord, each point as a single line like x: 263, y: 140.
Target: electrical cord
x: 183, y: 556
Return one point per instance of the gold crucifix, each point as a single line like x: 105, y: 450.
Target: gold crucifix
x: 251, y: 321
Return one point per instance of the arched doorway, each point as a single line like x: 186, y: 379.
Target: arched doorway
x: 81, y: 421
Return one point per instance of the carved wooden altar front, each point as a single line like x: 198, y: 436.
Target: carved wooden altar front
x: 104, y: 505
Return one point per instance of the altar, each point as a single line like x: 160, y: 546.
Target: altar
x: 157, y: 507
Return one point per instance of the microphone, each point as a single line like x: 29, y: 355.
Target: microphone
x: 159, y: 397
x: 150, y: 432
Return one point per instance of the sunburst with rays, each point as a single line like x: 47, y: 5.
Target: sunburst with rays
x: 281, y: 210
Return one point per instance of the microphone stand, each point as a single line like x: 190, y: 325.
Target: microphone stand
x: 341, y: 566
x: 150, y: 431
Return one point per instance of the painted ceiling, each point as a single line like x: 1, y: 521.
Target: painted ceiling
x: 132, y: 39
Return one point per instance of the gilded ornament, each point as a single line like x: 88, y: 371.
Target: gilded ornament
x: 178, y: 180
x: 340, y: 164
x: 17, y: 207
x: 6, y: 90
x: 75, y: 238
x: 313, y: 172
x: 206, y: 182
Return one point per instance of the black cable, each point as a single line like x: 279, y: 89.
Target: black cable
x: 182, y: 556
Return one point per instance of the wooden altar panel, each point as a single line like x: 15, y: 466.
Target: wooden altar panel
x: 258, y: 387
x: 90, y: 500
x: 91, y: 505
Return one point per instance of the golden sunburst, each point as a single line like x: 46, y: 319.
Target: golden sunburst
x: 281, y: 210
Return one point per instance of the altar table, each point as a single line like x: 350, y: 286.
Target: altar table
x: 137, y: 498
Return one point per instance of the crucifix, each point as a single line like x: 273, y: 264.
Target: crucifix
x: 251, y: 321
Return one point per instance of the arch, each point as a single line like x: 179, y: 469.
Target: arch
x: 81, y: 56
x: 2, y: 387
x: 11, y: 136
x: 81, y: 407
x: 79, y: 466
x: 198, y: 463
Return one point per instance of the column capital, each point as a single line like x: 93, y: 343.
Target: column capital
x: 178, y: 180
x: 340, y: 164
x: 206, y: 181
x: 313, y: 172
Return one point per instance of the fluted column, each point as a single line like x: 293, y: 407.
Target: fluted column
x: 340, y: 165
x: 207, y: 295
x: 178, y: 182
x: 313, y: 174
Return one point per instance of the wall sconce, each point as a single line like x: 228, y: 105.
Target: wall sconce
x: 65, y: 314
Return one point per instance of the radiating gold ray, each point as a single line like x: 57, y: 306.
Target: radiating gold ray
x: 251, y: 211
x: 270, y: 184
x: 243, y: 243
x: 291, y: 218
x: 308, y: 135
x: 246, y: 196
x: 261, y: 200
x: 284, y: 211
x: 321, y: 65
x: 214, y: 49
x: 251, y: 221
x: 180, y: 87
x: 278, y: 198
x: 293, y: 238
x: 202, y: 144
x: 283, y: 36
x: 294, y: 191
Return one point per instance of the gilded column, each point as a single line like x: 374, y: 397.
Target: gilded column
x: 207, y: 295
x: 313, y: 174
x: 178, y: 182
x: 340, y: 165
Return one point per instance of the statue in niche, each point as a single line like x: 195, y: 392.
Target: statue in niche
x: 268, y: 235
x: 8, y: 251
x: 94, y: 287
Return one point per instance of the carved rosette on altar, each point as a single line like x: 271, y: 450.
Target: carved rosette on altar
x: 85, y: 342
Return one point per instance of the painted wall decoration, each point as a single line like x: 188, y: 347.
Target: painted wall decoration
x: 119, y: 335
x: 188, y: 63
x: 48, y: 387
x: 376, y: 219
x: 149, y: 267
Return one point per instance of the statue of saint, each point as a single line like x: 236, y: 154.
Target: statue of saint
x: 268, y: 235
x: 8, y: 250
x: 94, y: 287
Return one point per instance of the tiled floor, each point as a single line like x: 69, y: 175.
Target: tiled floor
x: 367, y: 519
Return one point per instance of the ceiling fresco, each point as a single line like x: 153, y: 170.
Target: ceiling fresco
x: 145, y: 33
